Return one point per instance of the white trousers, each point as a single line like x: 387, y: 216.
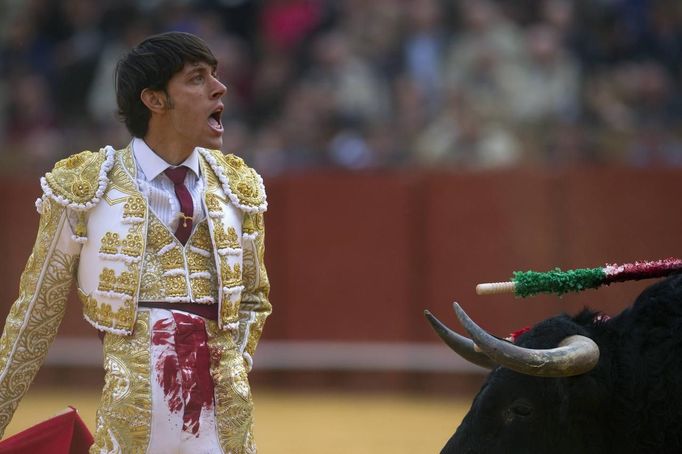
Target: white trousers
x: 183, y: 405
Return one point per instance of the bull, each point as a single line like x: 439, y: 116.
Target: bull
x: 578, y: 385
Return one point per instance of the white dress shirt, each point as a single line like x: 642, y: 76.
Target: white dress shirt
x: 159, y: 190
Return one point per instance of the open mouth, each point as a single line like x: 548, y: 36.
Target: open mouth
x: 214, y: 120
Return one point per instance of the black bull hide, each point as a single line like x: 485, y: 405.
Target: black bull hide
x: 630, y: 402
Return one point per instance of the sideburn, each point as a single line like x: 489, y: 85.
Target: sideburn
x: 169, y: 102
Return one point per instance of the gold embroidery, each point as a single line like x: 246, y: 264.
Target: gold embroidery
x: 254, y: 306
x: 133, y: 245
x: 76, y: 177
x: 243, y: 182
x: 110, y: 244
x: 104, y: 315
x: 204, y: 283
x: 225, y: 238
x: 234, y: 161
x: 234, y: 404
x: 175, y: 286
x: 198, y: 263
x: 32, y: 325
x: 125, y: 283
x: 150, y: 284
x: 81, y: 226
x: 249, y: 224
x: 212, y: 203
x: 231, y: 276
x: 212, y: 182
x: 124, y: 414
x: 157, y: 235
x: 172, y: 259
x: 202, y: 238
x: 135, y: 207
x: 107, y: 280
x: 229, y: 309
x: 128, y: 163
x: 201, y: 287
x: 123, y: 176
x: 250, y: 273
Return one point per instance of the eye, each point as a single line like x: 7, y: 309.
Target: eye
x: 521, y: 408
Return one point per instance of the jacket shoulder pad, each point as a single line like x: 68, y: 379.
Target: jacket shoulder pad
x: 241, y: 183
x: 80, y: 180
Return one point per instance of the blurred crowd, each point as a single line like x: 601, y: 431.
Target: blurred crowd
x: 359, y: 84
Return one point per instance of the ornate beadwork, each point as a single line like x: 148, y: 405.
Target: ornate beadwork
x: 80, y: 233
x: 202, y: 289
x: 234, y: 404
x: 134, y: 209
x: 124, y: 173
x: 157, y: 235
x: 229, y: 308
x: 172, y: 259
x: 213, y: 205
x: 111, y: 243
x: 34, y: 318
x: 107, y: 280
x: 103, y: 316
x: 225, y: 238
x: 241, y: 184
x: 254, y: 306
x: 124, y: 414
x: 201, y: 238
x: 165, y: 276
x: 198, y: 263
x: 124, y: 285
x: 133, y: 245
x: 231, y: 275
x: 250, y: 273
x: 175, y: 286
x: 79, y: 181
x: 249, y: 226
x: 150, y: 284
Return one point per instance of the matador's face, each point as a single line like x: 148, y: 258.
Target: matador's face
x: 195, y: 107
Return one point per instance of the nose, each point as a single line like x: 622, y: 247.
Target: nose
x: 219, y: 89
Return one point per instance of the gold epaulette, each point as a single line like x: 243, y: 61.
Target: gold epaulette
x: 80, y: 180
x: 241, y: 183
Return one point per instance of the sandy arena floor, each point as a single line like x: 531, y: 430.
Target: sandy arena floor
x: 300, y: 423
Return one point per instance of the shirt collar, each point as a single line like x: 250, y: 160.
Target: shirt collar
x: 152, y: 165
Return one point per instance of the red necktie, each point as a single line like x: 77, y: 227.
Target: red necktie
x: 177, y: 176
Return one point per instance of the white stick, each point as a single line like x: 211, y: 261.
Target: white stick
x: 494, y: 288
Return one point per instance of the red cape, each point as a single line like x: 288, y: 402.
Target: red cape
x: 65, y: 433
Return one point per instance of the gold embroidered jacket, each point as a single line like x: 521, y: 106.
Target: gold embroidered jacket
x: 96, y: 226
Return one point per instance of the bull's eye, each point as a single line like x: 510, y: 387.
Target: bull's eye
x: 521, y: 408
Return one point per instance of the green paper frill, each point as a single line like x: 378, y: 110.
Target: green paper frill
x: 529, y: 283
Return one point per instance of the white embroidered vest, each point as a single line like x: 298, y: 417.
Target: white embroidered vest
x: 128, y: 255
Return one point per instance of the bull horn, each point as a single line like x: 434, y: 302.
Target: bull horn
x: 575, y: 355
x: 463, y: 346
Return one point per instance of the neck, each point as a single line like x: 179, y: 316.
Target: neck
x: 172, y: 152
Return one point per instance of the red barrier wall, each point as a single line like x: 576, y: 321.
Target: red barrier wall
x: 359, y: 256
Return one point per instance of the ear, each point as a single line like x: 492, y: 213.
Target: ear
x: 155, y: 100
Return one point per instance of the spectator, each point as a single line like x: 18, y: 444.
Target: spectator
x: 471, y: 83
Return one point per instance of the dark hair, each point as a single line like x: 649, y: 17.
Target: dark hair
x: 151, y: 64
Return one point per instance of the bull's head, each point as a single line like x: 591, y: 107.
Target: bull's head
x: 574, y: 355
x: 526, y: 406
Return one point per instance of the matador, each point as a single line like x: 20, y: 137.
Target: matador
x: 164, y: 239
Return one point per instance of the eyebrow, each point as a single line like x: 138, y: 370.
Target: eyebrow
x: 201, y: 66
